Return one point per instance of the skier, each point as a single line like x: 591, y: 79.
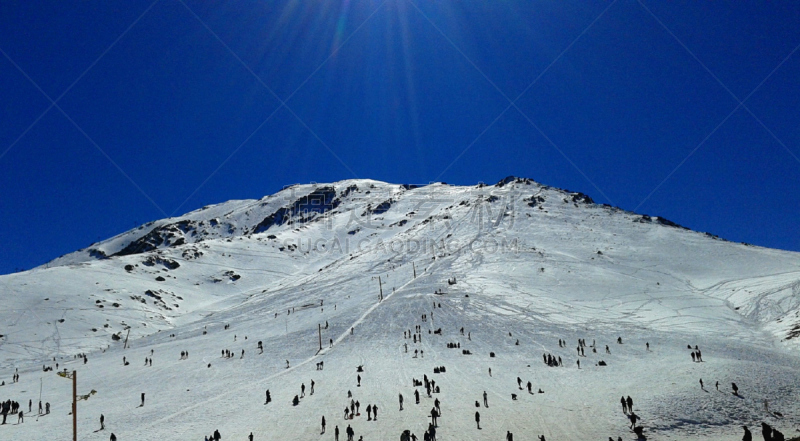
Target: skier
x: 735, y: 389
x: 350, y: 432
x: 485, y: 402
x: 416, y: 395
x: 312, y: 387
x: 217, y: 436
x: 142, y: 405
x: 630, y: 404
x: 374, y: 412
x: 519, y: 381
x: 401, y: 402
x: 369, y: 412
x: 269, y: 397
x: 478, y: 419
x: 509, y: 436
x: 250, y: 437
x: 336, y: 433
x: 717, y: 386
x: 302, y: 390
x: 102, y: 422
x: 323, y: 424
x: 701, y: 384
x: 113, y: 437
x: 529, y: 387
x: 295, y: 401
x: 624, y: 405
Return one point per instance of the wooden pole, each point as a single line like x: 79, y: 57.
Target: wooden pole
x: 74, y: 405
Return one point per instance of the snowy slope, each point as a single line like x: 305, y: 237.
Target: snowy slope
x: 540, y: 263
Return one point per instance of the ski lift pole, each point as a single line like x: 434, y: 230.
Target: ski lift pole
x: 74, y: 377
x: 74, y: 405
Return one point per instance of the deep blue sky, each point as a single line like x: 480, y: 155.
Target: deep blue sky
x: 164, y: 107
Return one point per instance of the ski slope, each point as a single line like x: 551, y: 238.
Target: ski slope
x: 532, y: 264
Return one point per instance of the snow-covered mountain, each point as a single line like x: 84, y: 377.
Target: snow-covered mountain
x: 514, y: 262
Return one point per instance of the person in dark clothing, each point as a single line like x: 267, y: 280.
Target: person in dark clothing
x: 509, y: 436
x: 374, y: 412
x: 747, y: 435
x: 735, y: 389
x: 766, y: 431
x: 217, y: 436
x: 269, y: 397
x: 478, y: 419
x: 250, y: 437
x: 102, y: 422
x: 630, y: 404
x: 336, y: 433
x: 401, y: 401
x: 113, y: 437
x: 776, y: 434
x: 624, y: 405
x: 416, y: 395
x: 323, y: 424
x: 142, y: 405
x: 633, y: 419
x: 485, y: 402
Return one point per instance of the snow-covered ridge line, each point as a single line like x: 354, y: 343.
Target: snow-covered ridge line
x: 302, y: 203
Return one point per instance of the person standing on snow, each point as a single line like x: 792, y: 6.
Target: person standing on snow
x: 747, y: 435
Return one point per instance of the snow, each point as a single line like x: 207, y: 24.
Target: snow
x: 561, y: 269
